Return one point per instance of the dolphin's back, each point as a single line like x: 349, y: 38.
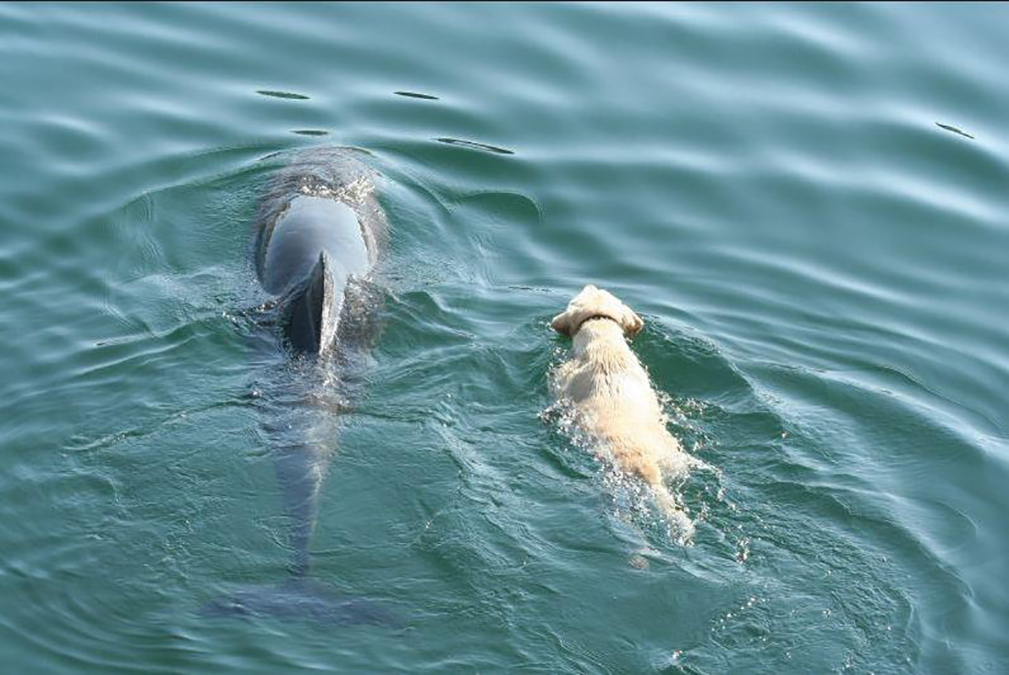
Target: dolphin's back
x: 314, y: 247
x: 310, y: 226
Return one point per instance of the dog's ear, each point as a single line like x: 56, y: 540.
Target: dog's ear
x: 562, y: 323
x: 631, y: 322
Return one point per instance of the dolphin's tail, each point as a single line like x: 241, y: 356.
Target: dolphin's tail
x: 311, y: 310
x: 302, y: 599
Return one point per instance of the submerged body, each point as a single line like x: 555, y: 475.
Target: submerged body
x: 318, y: 236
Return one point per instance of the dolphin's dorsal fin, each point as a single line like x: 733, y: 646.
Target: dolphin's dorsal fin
x: 311, y: 311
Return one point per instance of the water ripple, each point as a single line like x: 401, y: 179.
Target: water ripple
x: 806, y: 206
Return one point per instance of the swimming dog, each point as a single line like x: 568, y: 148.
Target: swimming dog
x: 612, y: 397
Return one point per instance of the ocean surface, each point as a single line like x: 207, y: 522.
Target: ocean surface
x: 807, y: 204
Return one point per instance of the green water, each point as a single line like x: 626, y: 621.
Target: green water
x: 820, y: 265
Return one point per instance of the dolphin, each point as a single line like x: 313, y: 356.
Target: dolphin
x: 319, y: 228
x: 318, y: 236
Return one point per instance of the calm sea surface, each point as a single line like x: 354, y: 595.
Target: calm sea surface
x: 808, y: 204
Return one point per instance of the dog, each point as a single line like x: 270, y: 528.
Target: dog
x: 612, y: 398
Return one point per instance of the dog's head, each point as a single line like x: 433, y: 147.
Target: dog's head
x: 593, y: 302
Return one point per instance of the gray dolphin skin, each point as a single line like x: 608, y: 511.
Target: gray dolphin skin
x: 312, y: 253
x: 319, y: 227
x: 318, y: 236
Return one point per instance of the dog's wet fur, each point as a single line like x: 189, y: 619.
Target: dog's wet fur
x: 612, y: 397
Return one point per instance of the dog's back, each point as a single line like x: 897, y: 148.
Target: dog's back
x: 611, y: 394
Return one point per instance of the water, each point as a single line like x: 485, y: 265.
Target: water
x: 819, y: 261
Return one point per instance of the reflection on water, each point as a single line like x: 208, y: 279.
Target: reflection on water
x: 948, y: 127
x: 475, y: 145
x: 413, y: 94
x: 283, y: 94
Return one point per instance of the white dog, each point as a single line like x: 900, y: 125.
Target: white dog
x: 612, y: 397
